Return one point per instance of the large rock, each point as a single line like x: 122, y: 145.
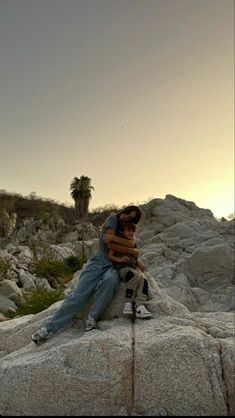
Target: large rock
x: 10, y: 290
x: 6, y: 304
x: 176, y: 238
x: 125, y: 368
x: 74, y: 374
x: 177, y: 362
x: 212, y: 267
x: 177, y: 366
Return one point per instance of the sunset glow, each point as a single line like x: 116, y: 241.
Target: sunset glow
x: 137, y: 95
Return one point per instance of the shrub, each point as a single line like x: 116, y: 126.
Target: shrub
x: 50, y: 268
x: 36, y: 301
x: 33, y: 206
x: 74, y: 263
x: 4, y: 266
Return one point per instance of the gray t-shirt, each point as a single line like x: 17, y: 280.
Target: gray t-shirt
x: 111, y: 222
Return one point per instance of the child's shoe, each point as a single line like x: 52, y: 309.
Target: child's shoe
x: 128, y: 309
x: 142, y: 312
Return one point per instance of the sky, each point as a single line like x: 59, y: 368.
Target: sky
x: 138, y: 95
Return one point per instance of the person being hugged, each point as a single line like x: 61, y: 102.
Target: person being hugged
x: 131, y: 271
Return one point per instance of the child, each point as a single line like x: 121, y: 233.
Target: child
x: 131, y: 271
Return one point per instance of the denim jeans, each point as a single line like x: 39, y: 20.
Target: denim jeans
x: 99, y: 277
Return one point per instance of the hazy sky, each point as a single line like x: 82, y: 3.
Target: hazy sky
x: 136, y: 94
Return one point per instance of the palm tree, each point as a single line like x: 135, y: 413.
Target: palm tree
x: 81, y: 193
x: 74, y: 187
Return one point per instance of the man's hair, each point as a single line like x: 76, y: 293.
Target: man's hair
x: 128, y: 209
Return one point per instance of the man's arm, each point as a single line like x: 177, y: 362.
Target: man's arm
x: 122, y: 249
x: 111, y: 237
x: 116, y: 259
x: 121, y: 245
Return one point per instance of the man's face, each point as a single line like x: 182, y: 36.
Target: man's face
x: 128, y: 217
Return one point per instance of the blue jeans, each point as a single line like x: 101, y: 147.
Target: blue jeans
x: 99, y: 277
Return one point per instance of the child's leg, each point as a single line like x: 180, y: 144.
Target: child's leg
x: 141, y: 298
x: 136, y: 292
x: 133, y: 280
x: 141, y: 291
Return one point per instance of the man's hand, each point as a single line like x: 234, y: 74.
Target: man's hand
x: 134, y: 252
x: 108, y: 238
x: 124, y: 259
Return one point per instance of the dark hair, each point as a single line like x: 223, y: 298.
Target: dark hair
x: 127, y: 225
x: 128, y: 209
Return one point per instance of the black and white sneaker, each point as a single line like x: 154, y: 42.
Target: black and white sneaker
x: 41, y: 335
x: 90, y: 324
x: 142, y: 312
x: 128, y: 309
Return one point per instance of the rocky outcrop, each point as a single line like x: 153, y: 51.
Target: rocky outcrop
x: 180, y: 362
x: 189, y: 253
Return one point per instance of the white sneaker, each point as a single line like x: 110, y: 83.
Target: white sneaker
x: 142, y: 312
x: 128, y: 309
x: 90, y: 324
x: 41, y: 335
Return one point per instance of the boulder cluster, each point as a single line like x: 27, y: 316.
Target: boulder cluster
x: 179, y: 362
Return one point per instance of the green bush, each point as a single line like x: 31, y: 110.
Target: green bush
x: 36, y: 301
x: 50, y: 268
x: 4, y: 266
x: 74, y: 263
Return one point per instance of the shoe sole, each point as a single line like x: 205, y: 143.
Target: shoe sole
x: 35, y: 341
x: 90, y: 329
x: 130, y: 314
